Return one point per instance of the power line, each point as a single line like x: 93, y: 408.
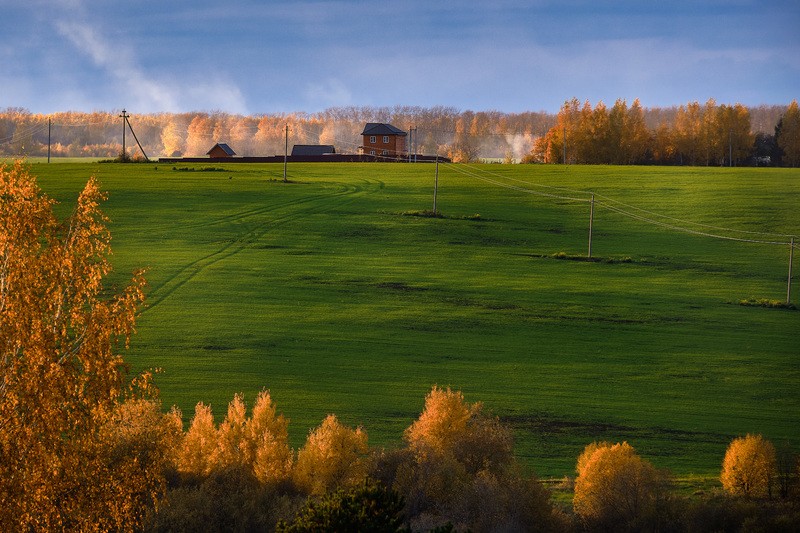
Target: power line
x: 609, y: 201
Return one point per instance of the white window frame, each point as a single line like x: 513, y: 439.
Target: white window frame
x: 385, y: 139
x: 373, y: 139
x: 385, y: 152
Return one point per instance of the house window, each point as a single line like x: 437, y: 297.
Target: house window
x: 385, y: 152
x: 373, y: 139
x: 372, y: 152
x: 385, y: 139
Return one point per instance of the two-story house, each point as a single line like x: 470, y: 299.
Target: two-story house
x: 383, y: 140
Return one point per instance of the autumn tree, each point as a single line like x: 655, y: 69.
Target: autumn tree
x: 231, y: 446
x: 787, y: 135
x: 198, y: 449
x: 459, y: 468
x: 687, y: 132
x: 334, y: 456
x: 61, y: 372
x: 267, y: 442
x: 615, y: 488
x: 172, y: 137
x: 749, y: 466
x: 199, y: 135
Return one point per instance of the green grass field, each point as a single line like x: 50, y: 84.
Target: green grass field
x: 326, y: 292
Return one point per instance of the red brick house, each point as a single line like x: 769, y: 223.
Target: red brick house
x: 383, y: 140
x: 221, y: 150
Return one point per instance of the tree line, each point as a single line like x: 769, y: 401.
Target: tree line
x: 86, y: 446
x: 709, y: 134
x: 691, y: 134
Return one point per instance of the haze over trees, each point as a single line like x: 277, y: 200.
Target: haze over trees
x: 623, y: 133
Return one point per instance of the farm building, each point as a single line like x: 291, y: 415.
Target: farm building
x: 220, y: 150
x: 313, y: 149
x: 383, y: 140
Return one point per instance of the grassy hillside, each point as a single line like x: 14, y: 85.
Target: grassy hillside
x: 326, y: 291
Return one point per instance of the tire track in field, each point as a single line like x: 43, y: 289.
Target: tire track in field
x: 313, y: 205
x: 257, y: 211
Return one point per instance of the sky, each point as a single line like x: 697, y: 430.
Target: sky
x: 266, y: 57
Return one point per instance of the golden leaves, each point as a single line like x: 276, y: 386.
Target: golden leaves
x: 748, y: 466
x: 61, y: 371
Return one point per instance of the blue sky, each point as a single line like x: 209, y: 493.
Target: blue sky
x: 254, y: 57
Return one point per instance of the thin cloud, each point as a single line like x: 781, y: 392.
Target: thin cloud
x: 139, y: 89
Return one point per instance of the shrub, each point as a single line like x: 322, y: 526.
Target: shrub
x: 369, y: 507
x: 748, y: 467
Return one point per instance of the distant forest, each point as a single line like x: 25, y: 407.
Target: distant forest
x: 695, y: 133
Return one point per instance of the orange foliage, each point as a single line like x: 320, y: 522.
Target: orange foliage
x: 615, y: 487
x: 334, y: 456
x: 748, y: 466
x: 60, y: 366
x: 788, y: 136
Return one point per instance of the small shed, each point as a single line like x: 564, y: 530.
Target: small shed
x: 312, y: 149
x: 221, y: 150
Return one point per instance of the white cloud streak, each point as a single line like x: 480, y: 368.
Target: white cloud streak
x: 141, y: 90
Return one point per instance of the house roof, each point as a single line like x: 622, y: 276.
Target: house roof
x: 313, y: 149
x: 225, y: 148
x: 377, y: 128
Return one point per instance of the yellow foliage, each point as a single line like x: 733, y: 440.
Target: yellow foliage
x: 614, y: 486
x: 259, y: 443
x: 267, y: 440
x: 231, y: 446
x: 789, y: 135
x: 332, y: 457
x: 199, y: 444
x: 442, y: 422
x: 60, y: 369
x: 748, y: 466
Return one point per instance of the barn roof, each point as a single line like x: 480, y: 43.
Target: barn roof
x: 377, y: 128
x: 225, y: 148
x: 313, y: 149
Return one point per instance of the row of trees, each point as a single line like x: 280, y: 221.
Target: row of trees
x: 698, y: 134
x: 85, y: 446
x: 690, y: 134
x: 439, y: 130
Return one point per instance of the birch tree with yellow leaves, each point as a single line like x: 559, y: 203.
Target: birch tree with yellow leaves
x: 62, y: 376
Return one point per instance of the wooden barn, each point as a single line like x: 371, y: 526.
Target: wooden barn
x: 383, y: 140
x: 220, y: 150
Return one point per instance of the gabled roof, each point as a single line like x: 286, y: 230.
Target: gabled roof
x: 313, y: 149
x: 225, y: 148
x: 377, y: 128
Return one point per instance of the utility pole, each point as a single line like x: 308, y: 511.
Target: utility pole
x: 127, y: 122
x: 789, y: 283
x: 124, y: 117
x: 436, y: 184
x: 285, y: 151
x: 591, y: 222
x: 49, y: 124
